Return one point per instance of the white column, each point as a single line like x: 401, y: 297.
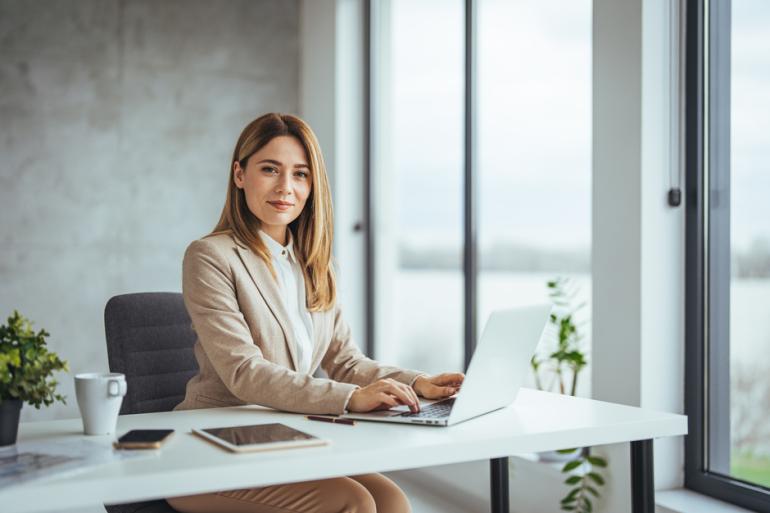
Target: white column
x: 638, y: 240
x: 331, y: 100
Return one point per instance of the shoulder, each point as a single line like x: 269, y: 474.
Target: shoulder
x: 215, y: 245
x: 212, y: 251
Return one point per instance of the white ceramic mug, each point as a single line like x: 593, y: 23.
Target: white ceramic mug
x: 99, y: 399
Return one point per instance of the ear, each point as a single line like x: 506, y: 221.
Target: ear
x: 238, y: 173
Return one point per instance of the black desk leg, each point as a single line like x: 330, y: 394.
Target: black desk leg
x: 498, y: 480
x: 642, y: 477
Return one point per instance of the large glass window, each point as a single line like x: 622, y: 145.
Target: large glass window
x: 534, y: 154
x: 417, y: 182
x: 479, y: 108
x: 750, y: 242
x: 728, y: 230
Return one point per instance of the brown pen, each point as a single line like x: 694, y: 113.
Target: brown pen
x: 333, y: 420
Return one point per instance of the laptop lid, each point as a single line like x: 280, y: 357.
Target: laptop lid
x: 501, y: 360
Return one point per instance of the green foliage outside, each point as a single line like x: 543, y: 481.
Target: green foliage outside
x: 26, y: 365
x: 752, y: 468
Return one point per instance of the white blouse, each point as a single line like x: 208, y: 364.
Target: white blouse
x: 291, y: 283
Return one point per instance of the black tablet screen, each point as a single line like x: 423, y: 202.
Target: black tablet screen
x: 258, y: 434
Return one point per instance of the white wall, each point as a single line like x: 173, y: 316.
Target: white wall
x: 638, y: 245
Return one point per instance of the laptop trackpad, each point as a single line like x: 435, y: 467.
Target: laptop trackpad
x: 393, y: 412
x: 386, y: 413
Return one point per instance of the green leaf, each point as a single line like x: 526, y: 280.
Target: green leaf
x: 573, y: 480
x: 567, y: 451
x: 26, y: 365
x: 597, y: 461
x: 592, y: 490
x: 568, y: 508
x: 572, y: 465
x: 596, y: 477
x: 571, y: 495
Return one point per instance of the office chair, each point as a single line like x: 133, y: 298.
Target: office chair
x: 150, y: 340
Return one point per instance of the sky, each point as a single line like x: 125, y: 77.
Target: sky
x: 534, y: 122
x: 750, y: 123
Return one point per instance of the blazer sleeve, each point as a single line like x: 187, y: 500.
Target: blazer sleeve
x: 344, y: 362
x: 210, y: 297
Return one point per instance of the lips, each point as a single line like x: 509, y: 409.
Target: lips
x: 281, y: 205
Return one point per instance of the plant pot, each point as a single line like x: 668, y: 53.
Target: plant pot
x: 557, y: 457
x: 9, y: 421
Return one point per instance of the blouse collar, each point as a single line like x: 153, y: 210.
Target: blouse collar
x: 276, y: 250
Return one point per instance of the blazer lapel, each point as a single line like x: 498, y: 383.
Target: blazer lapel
x: 268, y: 287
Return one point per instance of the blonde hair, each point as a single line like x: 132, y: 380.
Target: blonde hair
x: 312, y: 231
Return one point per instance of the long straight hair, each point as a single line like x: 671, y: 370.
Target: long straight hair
x: 312, y: 231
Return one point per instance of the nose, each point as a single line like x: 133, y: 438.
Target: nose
x: 284, y: 184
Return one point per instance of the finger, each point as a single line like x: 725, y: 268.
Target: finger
x: 400, y: 391
x: 412, y: 401
x: 387, y: 399
x: 413, y: 394
x: 410, y: 392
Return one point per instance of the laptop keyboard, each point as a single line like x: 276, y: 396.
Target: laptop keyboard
x: 437, y: 410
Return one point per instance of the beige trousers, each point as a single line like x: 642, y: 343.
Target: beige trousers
x: 369, y: 493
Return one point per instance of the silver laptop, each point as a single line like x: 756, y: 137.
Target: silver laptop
x: 495, y: 374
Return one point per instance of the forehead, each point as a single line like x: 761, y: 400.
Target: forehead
x: 285, y: 148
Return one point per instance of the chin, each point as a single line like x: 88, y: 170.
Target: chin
x: 278, y: 219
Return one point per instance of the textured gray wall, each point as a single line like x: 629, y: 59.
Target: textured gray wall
x: 117, y: 121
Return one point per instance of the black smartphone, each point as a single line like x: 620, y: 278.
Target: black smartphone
x: 143, y: 439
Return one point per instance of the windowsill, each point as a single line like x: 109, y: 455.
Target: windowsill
x: 681, y: 500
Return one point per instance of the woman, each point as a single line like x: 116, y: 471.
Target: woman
x: 261, y: 293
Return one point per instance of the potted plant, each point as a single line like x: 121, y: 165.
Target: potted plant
x: 566, y: 359
x: 26, y: 373
x: 562, y: 366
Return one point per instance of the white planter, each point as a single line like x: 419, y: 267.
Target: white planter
x: 557, y: 457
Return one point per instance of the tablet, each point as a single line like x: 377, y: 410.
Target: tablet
x: 259, y: 437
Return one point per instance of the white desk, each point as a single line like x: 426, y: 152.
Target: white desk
x: 537, y: 421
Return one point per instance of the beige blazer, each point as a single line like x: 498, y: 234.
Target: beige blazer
x: 246, y: 348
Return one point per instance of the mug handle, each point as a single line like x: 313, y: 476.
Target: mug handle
x: 116, y: 387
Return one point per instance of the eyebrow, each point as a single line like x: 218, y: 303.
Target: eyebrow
x: 275, y: 162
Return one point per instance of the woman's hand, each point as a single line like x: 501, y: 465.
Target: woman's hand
x: 383, y: 394
x: 438, y: 386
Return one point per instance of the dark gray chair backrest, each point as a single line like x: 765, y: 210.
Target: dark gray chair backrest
x: 150, y: 339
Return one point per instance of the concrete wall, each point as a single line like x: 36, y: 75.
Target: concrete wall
x: 117, y: 121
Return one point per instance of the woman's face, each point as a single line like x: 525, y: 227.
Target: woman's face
x: 276, y: 183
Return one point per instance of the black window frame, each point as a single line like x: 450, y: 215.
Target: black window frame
x: 470, y: 223
x: 707, y: 254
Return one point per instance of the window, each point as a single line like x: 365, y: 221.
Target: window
x: 534, y: 151
x: 416, y: 182
x: 468, y: 101
x: 728, y: 251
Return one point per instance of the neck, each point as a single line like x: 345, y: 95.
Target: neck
x: 277, y: 233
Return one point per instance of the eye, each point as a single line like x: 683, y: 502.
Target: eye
x: 269, y: 170
x: 302, y: 174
